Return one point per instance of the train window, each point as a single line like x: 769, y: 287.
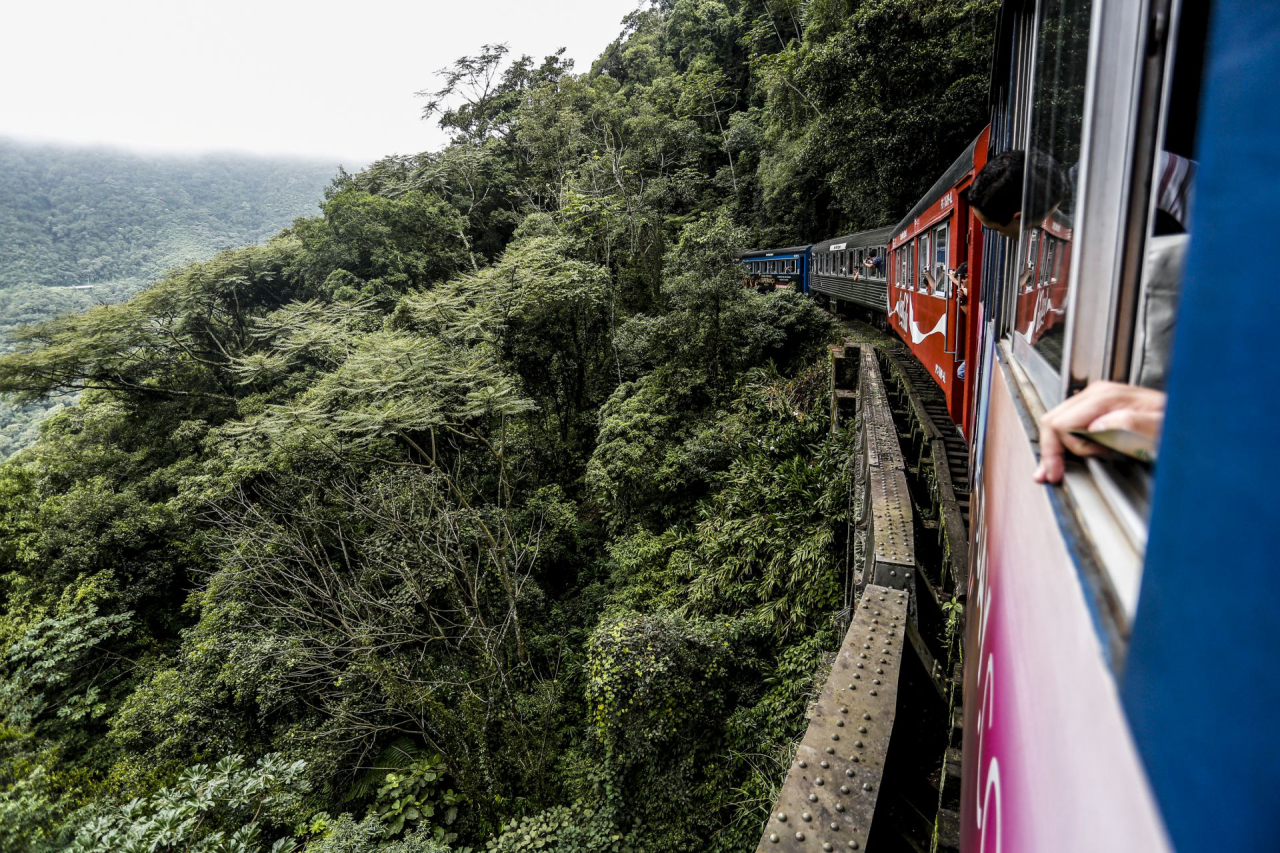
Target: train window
x: 1105, y: 245
x: 922, y: 263
x: 1171, y: 204
x: 1049, y: 264
x: 1048, y: 198
x: 940, y: 248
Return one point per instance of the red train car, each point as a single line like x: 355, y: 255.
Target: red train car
x: 925, y: 308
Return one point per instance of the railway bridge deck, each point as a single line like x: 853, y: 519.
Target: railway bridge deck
x: 878, y: 766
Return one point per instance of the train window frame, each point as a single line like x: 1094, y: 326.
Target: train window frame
x: 940, y: 280
x: 1048, y: 258
x: 1110, y: 235
x: 922, y: 263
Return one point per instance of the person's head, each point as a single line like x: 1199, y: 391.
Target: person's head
x: 962, y: 271
x: 996, y: 192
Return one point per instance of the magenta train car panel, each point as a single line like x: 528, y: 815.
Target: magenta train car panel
x: 1049, y: 764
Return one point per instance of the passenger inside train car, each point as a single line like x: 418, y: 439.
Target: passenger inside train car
x: 959, y: 282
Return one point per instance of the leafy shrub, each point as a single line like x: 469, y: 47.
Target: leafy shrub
x: 411, y: 798
x: 567, y: 829
x: 219, y: 809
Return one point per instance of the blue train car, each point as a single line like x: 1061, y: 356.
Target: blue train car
x: 773, y: 268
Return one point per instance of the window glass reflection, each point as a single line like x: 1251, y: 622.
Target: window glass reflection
x: 1049, y: 177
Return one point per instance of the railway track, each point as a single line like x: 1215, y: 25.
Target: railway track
x: 853, y: 785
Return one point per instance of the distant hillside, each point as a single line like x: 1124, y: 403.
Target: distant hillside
x: 83, y: 216
x: 74, y: 217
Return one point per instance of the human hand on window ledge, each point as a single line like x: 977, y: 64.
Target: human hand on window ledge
x: 1100, y: 406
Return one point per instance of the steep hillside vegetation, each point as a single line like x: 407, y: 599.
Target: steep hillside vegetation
x: 485, y: 509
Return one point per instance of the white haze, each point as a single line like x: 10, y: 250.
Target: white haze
x: 316, y: 79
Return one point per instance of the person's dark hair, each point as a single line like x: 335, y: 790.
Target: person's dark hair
x: 962, y: 270
x: 997, y: 190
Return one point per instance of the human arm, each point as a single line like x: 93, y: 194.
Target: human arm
x: 1100, y: 406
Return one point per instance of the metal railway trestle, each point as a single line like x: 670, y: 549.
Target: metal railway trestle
x: 829, y: 797
x: 911, y: 482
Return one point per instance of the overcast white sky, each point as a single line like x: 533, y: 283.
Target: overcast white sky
x: 312, y: 78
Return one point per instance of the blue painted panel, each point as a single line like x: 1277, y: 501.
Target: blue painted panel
x: 1202, y: 681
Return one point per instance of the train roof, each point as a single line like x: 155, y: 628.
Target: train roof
x: 874, y: 237
x: 765, y: 253
x: 957, y: 170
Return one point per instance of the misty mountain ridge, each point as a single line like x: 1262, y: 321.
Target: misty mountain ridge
x: 77, y: 216
x: 83, y: 226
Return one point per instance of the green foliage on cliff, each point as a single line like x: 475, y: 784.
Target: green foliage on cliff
x: 484, y: 510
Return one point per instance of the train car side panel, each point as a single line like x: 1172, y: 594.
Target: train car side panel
x: 1049, y: 763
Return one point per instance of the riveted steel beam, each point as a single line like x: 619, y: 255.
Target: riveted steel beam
x: 828, y: 800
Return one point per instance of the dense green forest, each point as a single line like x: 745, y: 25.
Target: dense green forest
x: 484, y: 510
x: 85, y: 226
